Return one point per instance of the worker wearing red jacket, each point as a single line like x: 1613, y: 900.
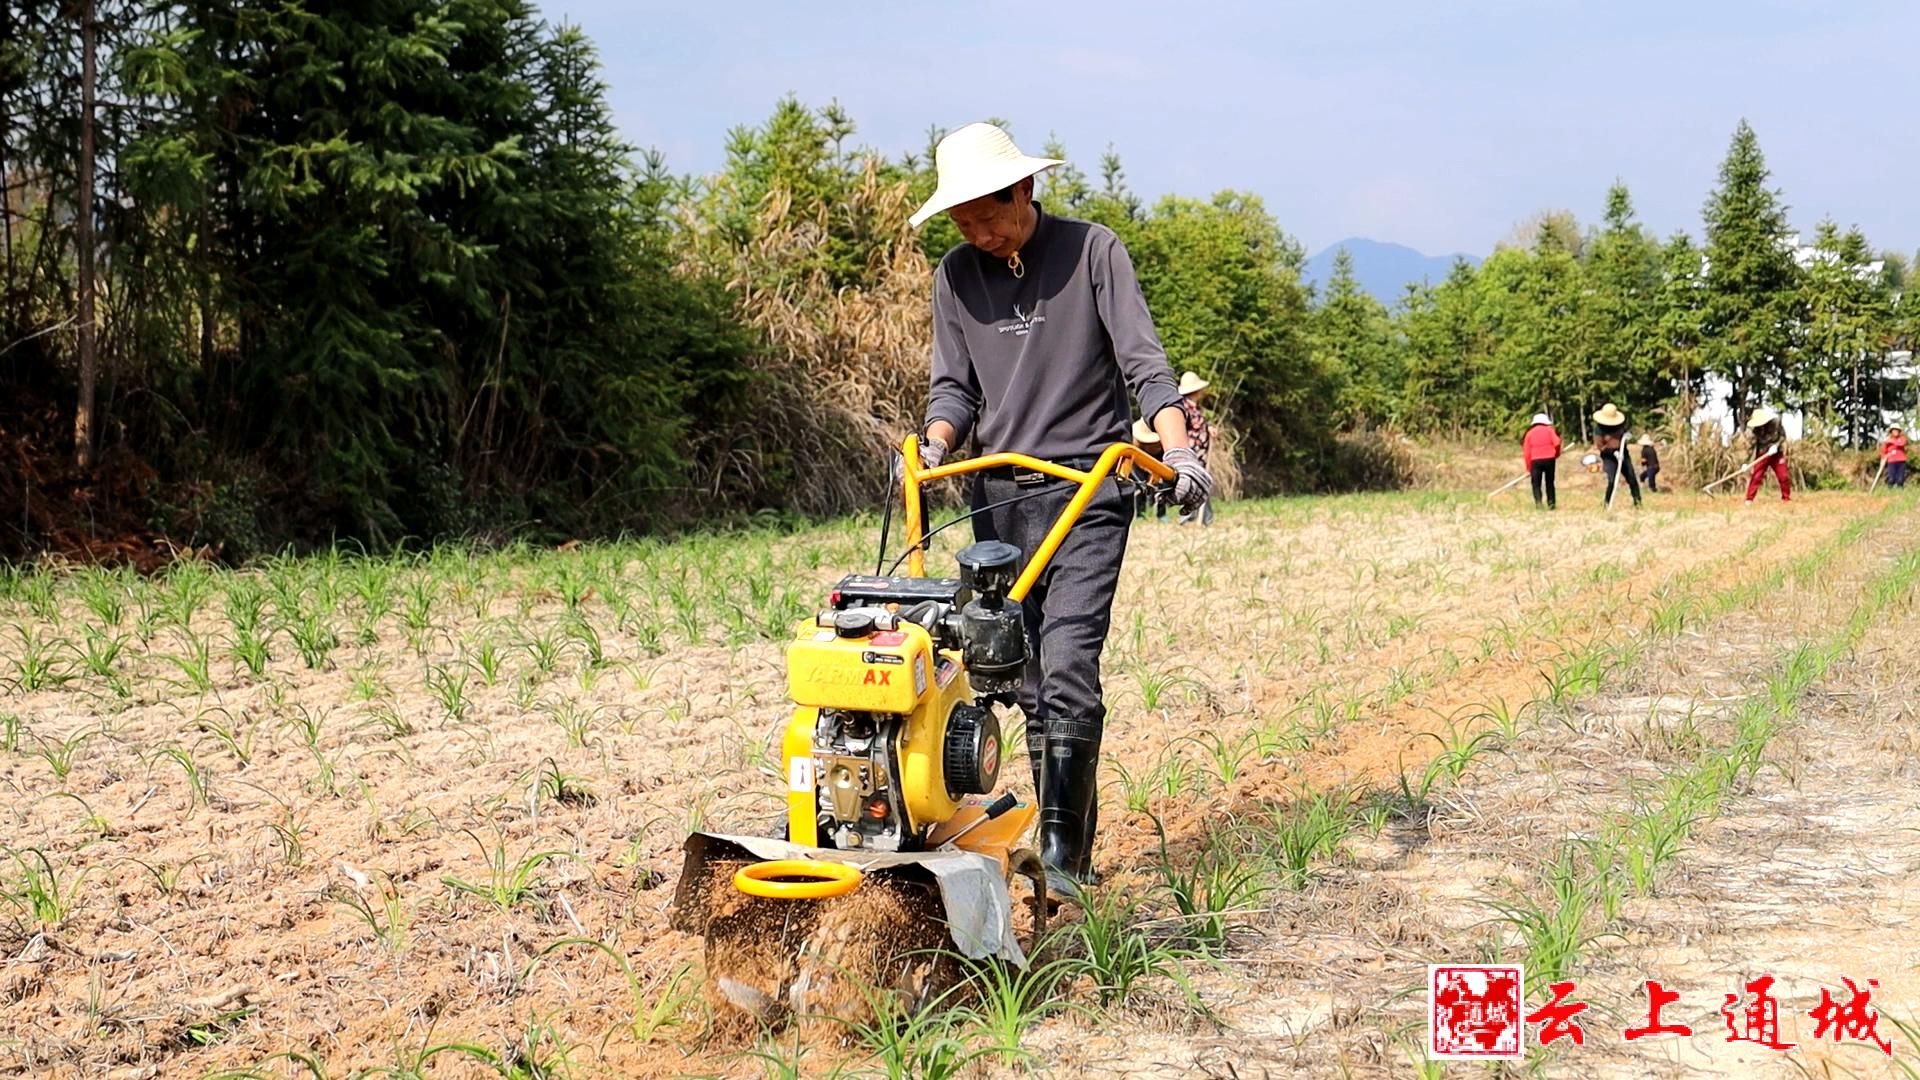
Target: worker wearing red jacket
x: 1540, y: 451
x: 1894, y: 452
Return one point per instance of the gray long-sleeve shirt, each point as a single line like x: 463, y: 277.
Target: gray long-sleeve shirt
x: 1044, y: 362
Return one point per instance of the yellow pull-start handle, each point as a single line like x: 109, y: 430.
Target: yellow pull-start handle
x: 1089, y: 482
x: 819, y: 880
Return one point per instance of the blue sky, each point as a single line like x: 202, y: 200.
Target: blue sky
x: 1437, y: 125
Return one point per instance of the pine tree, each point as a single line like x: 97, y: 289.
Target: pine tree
x: 1353, y: 339
x: 1844, y: 325
x: 434, y: 274
x: 1063, y: 187
x: 1557, y: 227
x: 86, y: 323
x: 1119, y: 199
x: 1904, y: 328
x: 63, y: 124
x: 1539, y: 359
x: 1621, y: 275
x: 1750, y: 314
x: 1678, y: 315
x: 1447, y: 348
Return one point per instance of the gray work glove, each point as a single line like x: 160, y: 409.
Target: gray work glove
x: 932, y: 453
x: 1193, y: 483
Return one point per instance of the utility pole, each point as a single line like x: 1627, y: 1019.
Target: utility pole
x: 83, y: 238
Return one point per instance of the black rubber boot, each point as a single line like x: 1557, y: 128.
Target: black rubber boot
x: 1036, y: 753
x: 1084, y: 869
x: 1068, y: 806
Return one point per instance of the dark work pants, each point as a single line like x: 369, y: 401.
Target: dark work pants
x: 1897, y: 474
x: 1067, y: 612
x: 1610, y: 460
x: 1541, y: 473
x: 1650, y: 476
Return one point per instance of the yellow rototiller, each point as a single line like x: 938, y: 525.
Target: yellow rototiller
x: 895, y: 860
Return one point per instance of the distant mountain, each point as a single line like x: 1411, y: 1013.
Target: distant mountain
x: 1384, y: 270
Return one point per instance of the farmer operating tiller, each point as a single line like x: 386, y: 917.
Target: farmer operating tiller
x: 894, y: 855
x: 895, y: 858
x: 1040, y: 333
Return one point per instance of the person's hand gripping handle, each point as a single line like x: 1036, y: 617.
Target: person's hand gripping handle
x: 932, y: 453
x: 1192, y: 482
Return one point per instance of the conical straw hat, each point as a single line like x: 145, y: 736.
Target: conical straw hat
x: 976, y: 160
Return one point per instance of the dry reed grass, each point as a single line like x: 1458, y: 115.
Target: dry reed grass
x: 842, y: 377
x: 843, y: 371
x: 1374, y: 461
x: 1695, y: 456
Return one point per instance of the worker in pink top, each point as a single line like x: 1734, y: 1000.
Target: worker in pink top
x: 1540, y: 450
x: 1894, y: 452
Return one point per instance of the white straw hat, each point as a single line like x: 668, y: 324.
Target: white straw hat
x: 1541, y: 418
x: 1143, y: 434
x: 1192, y: 383
x: 1609, y: 415
x: 976, y: 160
x: 1761, y: 417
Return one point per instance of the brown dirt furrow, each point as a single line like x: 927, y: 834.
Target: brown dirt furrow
x: 1375, y: 750
x: 1811, y: 875
x: 1812, y: 878
x: 224, y: 869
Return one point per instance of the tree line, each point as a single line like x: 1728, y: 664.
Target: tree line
x: 1563, y: 319
x: 371, y: 270
x: 384, y: 271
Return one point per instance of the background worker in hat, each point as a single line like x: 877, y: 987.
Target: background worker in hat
x: 1040, y: 336
x: 1193, y: 390
x: 1893, y: 452
x: 1540, y: 453
x: 1609, y: 439
x: 1769, y: 452
x: 1649, y: 463
x: 1145, y: 438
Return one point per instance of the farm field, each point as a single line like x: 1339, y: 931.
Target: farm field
x: 422, y: 816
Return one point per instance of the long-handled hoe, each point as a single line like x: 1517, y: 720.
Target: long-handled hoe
x: 1748, y: 467
x: 1507, y: 485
